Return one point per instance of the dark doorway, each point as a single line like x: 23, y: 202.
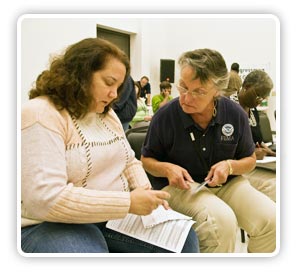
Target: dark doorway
x: 122, y: 40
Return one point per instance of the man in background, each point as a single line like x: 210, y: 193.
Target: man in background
x: 235, y: 67
x: 145, y: 90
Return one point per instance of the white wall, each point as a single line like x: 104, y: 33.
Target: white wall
x: 251, y: 41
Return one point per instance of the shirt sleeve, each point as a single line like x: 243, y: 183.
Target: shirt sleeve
x: 126, y: 106
x: 154, y: 144
x: 136, y: 175
x: 156, y: 102
x: 148, y: 88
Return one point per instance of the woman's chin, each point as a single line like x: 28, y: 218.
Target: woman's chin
x: 99, y: 107
x: 99, y: 110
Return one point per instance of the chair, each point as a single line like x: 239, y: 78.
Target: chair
x: 265, y: 129
x: 135, y: 137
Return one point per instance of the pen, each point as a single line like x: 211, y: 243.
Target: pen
x: 202, y: 185
x: 257, y: 144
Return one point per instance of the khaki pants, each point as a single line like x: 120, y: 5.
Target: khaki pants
x: 263, y: 180
x: 219, y: 211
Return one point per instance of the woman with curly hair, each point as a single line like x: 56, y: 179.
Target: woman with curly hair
x: 78, y: 170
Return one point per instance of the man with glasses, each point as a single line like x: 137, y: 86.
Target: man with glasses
x: 200, y: 137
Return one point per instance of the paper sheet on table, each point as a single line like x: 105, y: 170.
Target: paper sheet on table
x: 267, y: 159
x: 170, y: 234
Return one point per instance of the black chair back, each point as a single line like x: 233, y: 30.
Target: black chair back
x: 265, y: 128
x: 136, y: 137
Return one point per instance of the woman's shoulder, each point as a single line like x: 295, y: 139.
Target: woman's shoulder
x: 42, y: 110
x: 37, y: 104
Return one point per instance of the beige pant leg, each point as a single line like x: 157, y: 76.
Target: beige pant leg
x: 216, y: 224
x: 255, y: 213
x: 264, y: 181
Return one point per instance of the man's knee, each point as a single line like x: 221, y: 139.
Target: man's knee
x: 216, y: 232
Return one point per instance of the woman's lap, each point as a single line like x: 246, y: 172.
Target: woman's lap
x: 89, y: 238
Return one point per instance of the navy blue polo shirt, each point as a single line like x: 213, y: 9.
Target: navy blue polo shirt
x: 171, y: 133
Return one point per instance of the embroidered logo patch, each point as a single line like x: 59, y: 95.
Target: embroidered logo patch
x: 227, y: 130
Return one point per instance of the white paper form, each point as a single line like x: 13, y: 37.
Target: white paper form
x: 170, y: 235
x: 267, y: 159
x: 161, y: 215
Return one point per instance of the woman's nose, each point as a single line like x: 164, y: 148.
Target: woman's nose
x: 113, y: 92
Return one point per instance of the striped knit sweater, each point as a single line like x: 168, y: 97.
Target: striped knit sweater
x: 75, y: 171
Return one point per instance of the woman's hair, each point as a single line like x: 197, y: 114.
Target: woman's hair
x: 259, y: 81
x: 208, y: 65
x: 137, y: 84
x: 67, y: 82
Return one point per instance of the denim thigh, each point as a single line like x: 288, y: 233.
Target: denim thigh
x: 63, y: 238
x: 89, y: 238
x: 121, y: 243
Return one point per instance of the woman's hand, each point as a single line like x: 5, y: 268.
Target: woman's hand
x: 260, y: 153
x: 263, y: 150
x: 143, y: 202
x: 268, y: 151
x: 147, y: 118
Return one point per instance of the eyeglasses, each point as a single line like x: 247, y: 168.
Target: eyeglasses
x: 194, y: 93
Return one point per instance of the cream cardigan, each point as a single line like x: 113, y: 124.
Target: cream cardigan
x: 75, y: 171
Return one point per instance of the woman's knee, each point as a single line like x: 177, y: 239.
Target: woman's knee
x: 192, y: 243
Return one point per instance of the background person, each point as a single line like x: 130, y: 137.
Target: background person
x: 203, y: 137
x: 159, y: 100
x: 142, y: 116
x: 78, y: 170
x: 256, y: 87
x: 235, y: 67
x: 126, y: 105
x: 234, y: 85
x: 145, y: 90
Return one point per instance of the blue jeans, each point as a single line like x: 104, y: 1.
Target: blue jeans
x: 89, y: 238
